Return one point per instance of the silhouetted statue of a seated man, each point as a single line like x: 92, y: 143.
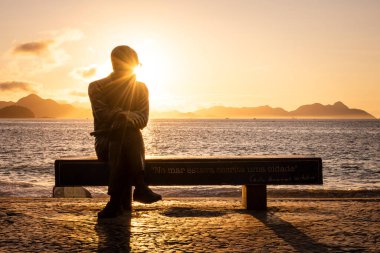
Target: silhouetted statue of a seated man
x: 120, y: 107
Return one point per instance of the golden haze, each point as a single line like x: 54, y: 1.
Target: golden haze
x: 197, y: 54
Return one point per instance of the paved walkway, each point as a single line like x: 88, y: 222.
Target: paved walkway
x: 191, y: 225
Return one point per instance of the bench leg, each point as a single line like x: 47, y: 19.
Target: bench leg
x: 254, y: 197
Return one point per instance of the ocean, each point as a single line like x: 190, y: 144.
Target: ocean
x: 350, y: 149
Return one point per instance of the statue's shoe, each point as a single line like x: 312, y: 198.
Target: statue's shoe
x: 110, y: 211
x: 145, y: 195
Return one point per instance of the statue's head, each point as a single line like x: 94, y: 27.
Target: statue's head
x: 124, y: 58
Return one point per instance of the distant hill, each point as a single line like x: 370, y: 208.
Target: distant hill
x: 5, y: 103
x: 172, y: 115
x: 44, y: 107
x: 241, y: 112
x: 337, y: 110
x: 15, y: 111
x: 48, y: 108
x: 317, y: 111
x: 51, y: 109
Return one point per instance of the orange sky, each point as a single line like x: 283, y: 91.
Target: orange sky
x: 198, y: 53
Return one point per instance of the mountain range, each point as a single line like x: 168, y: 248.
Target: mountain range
x: 312, y: 111
x: 48, y: 108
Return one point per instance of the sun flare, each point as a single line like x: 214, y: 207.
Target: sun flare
x: 138, y: 71
x: 155, y: 70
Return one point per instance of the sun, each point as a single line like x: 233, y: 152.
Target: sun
x: 151, y: 68
x: 139, y: 72
x: 156, y: 68
x: 150, y: 76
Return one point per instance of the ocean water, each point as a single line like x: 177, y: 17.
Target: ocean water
x: 350, y: 149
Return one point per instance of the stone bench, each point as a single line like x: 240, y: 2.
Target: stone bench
x: 254, y: 173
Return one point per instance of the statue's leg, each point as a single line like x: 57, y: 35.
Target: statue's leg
x: 128, y: 163
x: 115, y: 184
x: 135, y: 162
x: 133, y: 156
x: 116, y: 168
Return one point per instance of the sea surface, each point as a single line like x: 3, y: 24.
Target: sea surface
x: 350, y: 149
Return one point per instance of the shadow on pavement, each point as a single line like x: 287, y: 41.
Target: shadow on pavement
x: 114, y: 234
x: 289, y: 233
x: 191, y: 212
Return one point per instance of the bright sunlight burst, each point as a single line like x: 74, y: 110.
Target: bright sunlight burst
x: 156, y: 71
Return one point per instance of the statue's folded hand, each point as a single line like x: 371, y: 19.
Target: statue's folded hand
x: 132, y: 119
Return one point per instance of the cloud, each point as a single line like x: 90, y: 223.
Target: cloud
x: 78, y: 94
x: 16, y: 85
x: 84, y: 73
x: 44, y: 54
x: 35, y: 47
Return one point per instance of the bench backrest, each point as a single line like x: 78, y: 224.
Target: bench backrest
x: 271, y: 170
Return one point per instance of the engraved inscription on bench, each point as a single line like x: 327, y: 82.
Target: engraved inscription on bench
x: 239, y: 172
x: 200, y: 171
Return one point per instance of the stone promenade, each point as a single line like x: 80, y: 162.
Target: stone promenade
x: 191, y: 225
